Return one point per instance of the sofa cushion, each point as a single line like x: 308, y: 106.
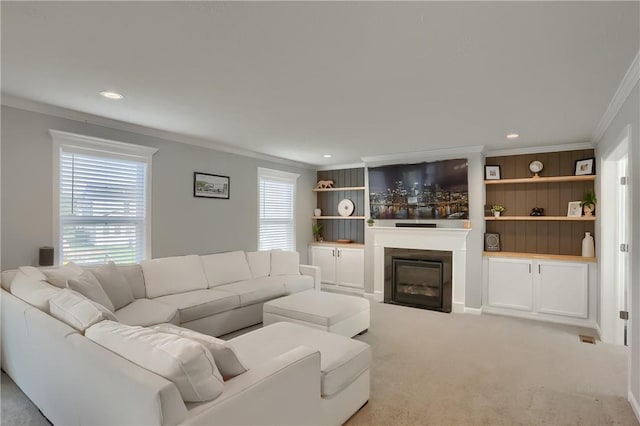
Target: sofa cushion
x: 224, y: 268
x: 171, y: 275
x: 146, y: 312
x: 184, y: 362
x: 225, y: 357
x: 77, y: 311
x: 254, y: 291
x: 259, y: 263
x: 114, y: 284
x: 197, y: 304
x: 33, y: 272
x: 34, y: 292
x: 87, y: 285
x: 135, y: 279
x: 285, y: 263
x: 296, y: 283
x: 59, y: 276
x: 342, y: 360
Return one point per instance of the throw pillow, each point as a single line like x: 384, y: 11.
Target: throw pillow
x: 114, y: 284
x: 33, y: 291
x: 59, y: 276
x: 259, y: 263
x: 184, y: 362
x: 33, y: 272
x: 77, y: 311
x: 87, y: 285
x: 225, y: 357
x: 225, y: 268
x: 285, y: 263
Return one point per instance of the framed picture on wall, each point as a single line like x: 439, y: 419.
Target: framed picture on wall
x: 206, y: 185
x: 491, y: 172
x: 585, y: 167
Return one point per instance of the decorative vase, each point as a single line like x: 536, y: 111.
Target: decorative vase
x: 588, y: 249
x: 588, y: 209
x: 317, y: 212
x: 496, y: 214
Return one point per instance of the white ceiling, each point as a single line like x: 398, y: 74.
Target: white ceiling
x: 300, y: 79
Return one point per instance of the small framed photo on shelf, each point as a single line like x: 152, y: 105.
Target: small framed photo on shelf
x: 574, y: 209
x: 491, y: 172
x: 491, y: 242
x: 585, y: 167
x: 206, y: 185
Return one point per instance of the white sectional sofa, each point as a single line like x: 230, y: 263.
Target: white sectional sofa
x: 78, y: 379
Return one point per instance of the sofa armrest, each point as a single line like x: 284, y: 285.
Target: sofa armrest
x: 312, y: 271
x: 284, y: 390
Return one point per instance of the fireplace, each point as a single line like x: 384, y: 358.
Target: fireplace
x: 418, y: 278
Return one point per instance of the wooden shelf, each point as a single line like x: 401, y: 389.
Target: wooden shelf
x: 337, y: 217
x: 335, y: 244
x: 549, y: 179
x: 543, y: 218
x: 346, y: 188
x: 539, y: 256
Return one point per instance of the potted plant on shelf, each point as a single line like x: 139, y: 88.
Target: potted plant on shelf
x: 316, y: 228
x: 370, y: 222
x: 589, y: 202
x: 497, y: 209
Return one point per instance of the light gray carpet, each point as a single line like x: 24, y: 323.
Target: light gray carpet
x: 450, y: 369
x: 431, y: 368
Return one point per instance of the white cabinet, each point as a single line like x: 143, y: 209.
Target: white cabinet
x: 550, y: 290
x: 339, y: 265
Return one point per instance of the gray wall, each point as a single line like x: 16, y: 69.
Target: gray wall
x: 180, y: 223
x: 629, y: 114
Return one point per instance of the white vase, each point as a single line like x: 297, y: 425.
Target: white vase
x: 317, y: 212
x: 588, y: 249
x: 496, y: 214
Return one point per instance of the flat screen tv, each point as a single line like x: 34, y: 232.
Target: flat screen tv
x: 435, y: 190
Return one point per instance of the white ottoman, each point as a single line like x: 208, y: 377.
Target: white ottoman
x: 337, y: 313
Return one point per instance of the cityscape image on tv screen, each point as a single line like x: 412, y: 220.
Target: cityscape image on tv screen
x: 435, y: 190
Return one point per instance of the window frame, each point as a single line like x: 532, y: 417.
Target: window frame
x: 97, y: 146
x: 288, y: 177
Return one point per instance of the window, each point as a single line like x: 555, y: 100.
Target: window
x: 276, y: 205
x: 102, y: 191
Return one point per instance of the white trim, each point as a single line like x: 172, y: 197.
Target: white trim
x: 56, y: 111
x: 288, y: 177
x: 62, y: 139
x: 419, y: 156
x: 627, y: 84
x: 635, y: 405
x: 472, y: 311
x: 278, y: 174
x: 340, y: 166
x: 539, y: 149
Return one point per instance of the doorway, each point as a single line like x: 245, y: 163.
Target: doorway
x: 615, y: 235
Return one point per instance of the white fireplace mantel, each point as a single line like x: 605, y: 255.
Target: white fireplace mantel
x: 445, y: 239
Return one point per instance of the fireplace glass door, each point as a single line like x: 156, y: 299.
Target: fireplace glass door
x: 417, y: 282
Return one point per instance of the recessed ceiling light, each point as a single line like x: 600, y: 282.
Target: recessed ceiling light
x: 111, y: 95
x: 327, y: 155
x: 513, y: 136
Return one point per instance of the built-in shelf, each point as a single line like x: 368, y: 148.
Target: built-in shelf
x: 539, y: 256
x: 336, y: 244
x: 337, y: 217
x: 347, y: 188
x: 549, y: 179
x: 547, y: 218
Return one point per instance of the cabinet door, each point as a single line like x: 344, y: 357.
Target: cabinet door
x: 563, y: 289
x: 350, y: 267
x: 324, y: 258
x: 510, y: 284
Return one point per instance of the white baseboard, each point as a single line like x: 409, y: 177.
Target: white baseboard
x: 371, y: 296
x: 472, y: 311
x: 635, y: 405
x: 457, y: 308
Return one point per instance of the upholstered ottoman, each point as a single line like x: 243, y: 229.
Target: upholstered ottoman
x: 336, y: 313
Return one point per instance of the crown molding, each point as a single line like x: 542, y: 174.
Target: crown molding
x: 340, y: 166
x: 418, y: 156
x: 627, y: 84
x: 539, y: 149
x: 69, y: 114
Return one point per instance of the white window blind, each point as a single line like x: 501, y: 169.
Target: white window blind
x: 103, y: 211
x: 276, y: 209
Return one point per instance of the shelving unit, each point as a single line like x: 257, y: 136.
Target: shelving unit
x: 555, y: 233
x: 565, y: 257
x: 337, y: 217
x: 348, y: 188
